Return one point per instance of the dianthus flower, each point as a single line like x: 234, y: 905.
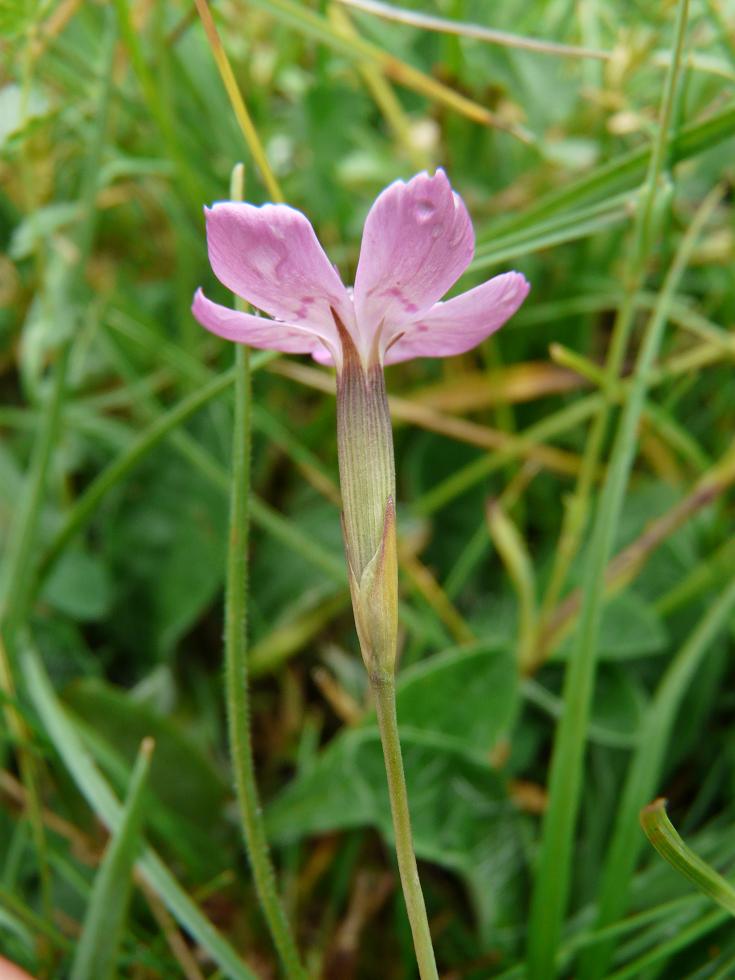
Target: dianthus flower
x: 417, y: 241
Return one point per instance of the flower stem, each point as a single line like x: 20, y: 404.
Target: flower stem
x: 236, y: 665
x: 236, y: 682
x: 384, y: 692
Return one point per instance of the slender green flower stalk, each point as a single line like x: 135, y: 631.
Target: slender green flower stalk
x: 367, y: 478
x: 417, y: 241
x: 236, y: 668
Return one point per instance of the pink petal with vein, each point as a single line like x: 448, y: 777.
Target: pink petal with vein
x: 271, y: 257
x: 463, y: 322
x: 256, y: 331
x: 418, y: 240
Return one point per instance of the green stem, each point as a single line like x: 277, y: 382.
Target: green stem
x: 384, y: 692
x: 236, y: 665
x: 236, y: 680
x: 367, y: 482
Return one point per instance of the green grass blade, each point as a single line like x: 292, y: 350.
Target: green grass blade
x: 662, y: 951
x: 554, y: 870
x: 108, y: 809
x: 664, y: 837
x: 620, y: 174
x: 97, y: 951
x: 645, y: 768
x: 166, y: 423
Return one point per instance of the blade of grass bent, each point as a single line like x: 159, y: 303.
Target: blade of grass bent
x: 96, y: 790
x: 645, y: 766
x: 663, y: 835
x: 98, y: 946
x: 553, y: 875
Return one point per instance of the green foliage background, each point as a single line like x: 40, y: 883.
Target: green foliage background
x: 116, y: 423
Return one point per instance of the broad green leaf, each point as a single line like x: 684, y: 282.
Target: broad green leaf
x: 469, y: 696
x: 166, y: 544
x: 182, y: 778
x: 451, y: 710
x: 14, y: 116
x: 100, y: 797
x: 42, y: 224
x: 630, y: 628
x: 462, y: 817
x: 79, y: 586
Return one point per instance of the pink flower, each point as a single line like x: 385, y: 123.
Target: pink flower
x: 417, y: 241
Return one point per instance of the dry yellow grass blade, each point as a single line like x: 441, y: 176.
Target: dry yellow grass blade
x: 477, y: 390
x: 404, y: 410
x: 626, y: 565
x: 385, y: 98
x: 238, y: 103
x: 313, y: 25
x: 424, y: 582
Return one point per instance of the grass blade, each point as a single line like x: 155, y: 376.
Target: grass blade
x: 662, y: 834
x: 98, y: 946
x: 553, y: 876
x: 96, y: 790
x: 645, y: 767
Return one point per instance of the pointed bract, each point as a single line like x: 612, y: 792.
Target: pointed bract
x: 375, y: 601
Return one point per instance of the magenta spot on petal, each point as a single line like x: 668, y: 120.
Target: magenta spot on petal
x: 307, y: 299
x: 422, y: 328
x: 411, y: 308
x: 394, y: 291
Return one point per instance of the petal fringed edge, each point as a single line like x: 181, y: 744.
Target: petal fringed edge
x: 271, y: 257
x: 255, y: 331
x: 463, y: 322
x: 418, y: 240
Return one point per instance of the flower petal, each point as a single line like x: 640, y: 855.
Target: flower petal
x: 418, y: 240
x: 255, y: 331
x: 463, y: 322
x: 271, y: 257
